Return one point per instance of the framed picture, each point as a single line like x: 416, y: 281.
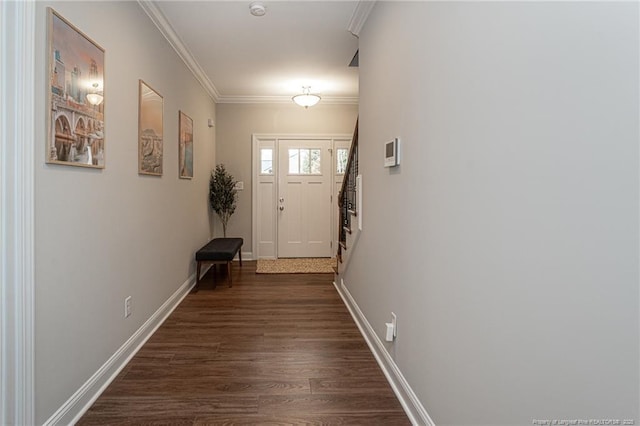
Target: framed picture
x: 185, y: 146
x: 150, y: 128
x: 76, y: 96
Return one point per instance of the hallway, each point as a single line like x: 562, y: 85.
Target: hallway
x: 273, y: 349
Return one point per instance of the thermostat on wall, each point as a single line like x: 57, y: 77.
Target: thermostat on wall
x: 392, y: 153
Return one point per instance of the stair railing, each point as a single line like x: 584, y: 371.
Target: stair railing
x: 347, y: 199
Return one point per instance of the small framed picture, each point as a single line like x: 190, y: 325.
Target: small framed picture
x: 150, y: 131
x: 185, y: 146
x: 76, y: 96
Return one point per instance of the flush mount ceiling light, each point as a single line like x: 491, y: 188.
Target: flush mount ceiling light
x: 94, y: 97
x: 306, y: 99
x: 257, y: 8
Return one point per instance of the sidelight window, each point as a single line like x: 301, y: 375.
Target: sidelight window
x: 342, y: 157
x: 266, y: 161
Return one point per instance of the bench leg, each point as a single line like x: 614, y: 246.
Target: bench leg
x: 215, y: 275
x: 195, y: 289
x: 229, y: 273
x: 240, y: 255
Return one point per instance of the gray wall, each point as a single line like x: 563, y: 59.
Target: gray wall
x: 103, y: 235
x: 507, y: 240
x: 237, y: 122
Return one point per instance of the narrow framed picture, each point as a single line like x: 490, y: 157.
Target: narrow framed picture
x: 76, y: 96
x: 185, y: 146
x: 150, y: 130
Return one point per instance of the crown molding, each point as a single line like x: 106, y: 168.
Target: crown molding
x: 162, y: 23
x: 360, y: 15
x: 283, y: 100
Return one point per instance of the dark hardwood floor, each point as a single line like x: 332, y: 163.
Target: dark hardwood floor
x: 271, y: 350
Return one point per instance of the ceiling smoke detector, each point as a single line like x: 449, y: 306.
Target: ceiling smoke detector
x: 257, y: 8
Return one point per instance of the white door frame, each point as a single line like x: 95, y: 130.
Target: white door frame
x: 272, y: 140
x: 17, y: 212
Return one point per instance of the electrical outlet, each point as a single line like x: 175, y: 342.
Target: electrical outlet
x: 394, y: 321
x: 127, y: 307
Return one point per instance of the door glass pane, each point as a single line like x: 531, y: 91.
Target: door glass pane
x: 266, y: 161
x: 314, y: 160
x: 342, y: 157
x: 304, y: 161
x: 305, y: 165
x: 294, y: 161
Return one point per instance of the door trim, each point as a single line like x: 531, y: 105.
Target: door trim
x: 17, y: 212
x: 274, y: 138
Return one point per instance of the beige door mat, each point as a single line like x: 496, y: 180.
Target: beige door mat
x: 307, y: 265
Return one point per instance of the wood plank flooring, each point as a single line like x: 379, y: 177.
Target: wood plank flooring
x: 271, y: 350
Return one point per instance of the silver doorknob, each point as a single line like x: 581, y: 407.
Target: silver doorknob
x: 281, y: 208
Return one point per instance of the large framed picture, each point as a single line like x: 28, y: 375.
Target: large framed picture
x: 76, y: 96
x: 185, y: 146
x: 150, y: 131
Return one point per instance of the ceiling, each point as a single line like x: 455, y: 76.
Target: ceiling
x: 239, y: 57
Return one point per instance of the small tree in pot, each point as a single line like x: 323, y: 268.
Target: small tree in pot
x: 222, y: 195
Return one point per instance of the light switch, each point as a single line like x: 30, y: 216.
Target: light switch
x: 239, y: 186
x: 389, y: 335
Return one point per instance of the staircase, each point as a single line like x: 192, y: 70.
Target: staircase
x: 348, y: 204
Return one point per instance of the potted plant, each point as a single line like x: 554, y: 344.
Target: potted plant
x: 222, y: 195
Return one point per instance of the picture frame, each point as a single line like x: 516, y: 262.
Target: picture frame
x: 185, y: 146
x: 150, y: 130
x: 76, y: 96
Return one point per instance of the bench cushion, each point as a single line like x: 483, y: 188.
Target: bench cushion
x: 220, y: 249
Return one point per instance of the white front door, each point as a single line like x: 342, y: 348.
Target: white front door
x: 304, y: 198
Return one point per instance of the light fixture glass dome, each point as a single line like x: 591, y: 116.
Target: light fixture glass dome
x: 94, y: 98
x: 306, y: 99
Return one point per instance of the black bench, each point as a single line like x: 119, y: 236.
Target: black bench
x: 219, y: 251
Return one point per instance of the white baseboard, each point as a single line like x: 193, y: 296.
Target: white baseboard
x: 246, y: 255
x: 408, y: 399
x: 71, y: 411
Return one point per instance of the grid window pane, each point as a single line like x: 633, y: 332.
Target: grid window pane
x: 314, y: 160
x: 342, y: 157
x: 304, y: 161
x: 266, y: 161
x: 305, y: 165
x: 294, y: 161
